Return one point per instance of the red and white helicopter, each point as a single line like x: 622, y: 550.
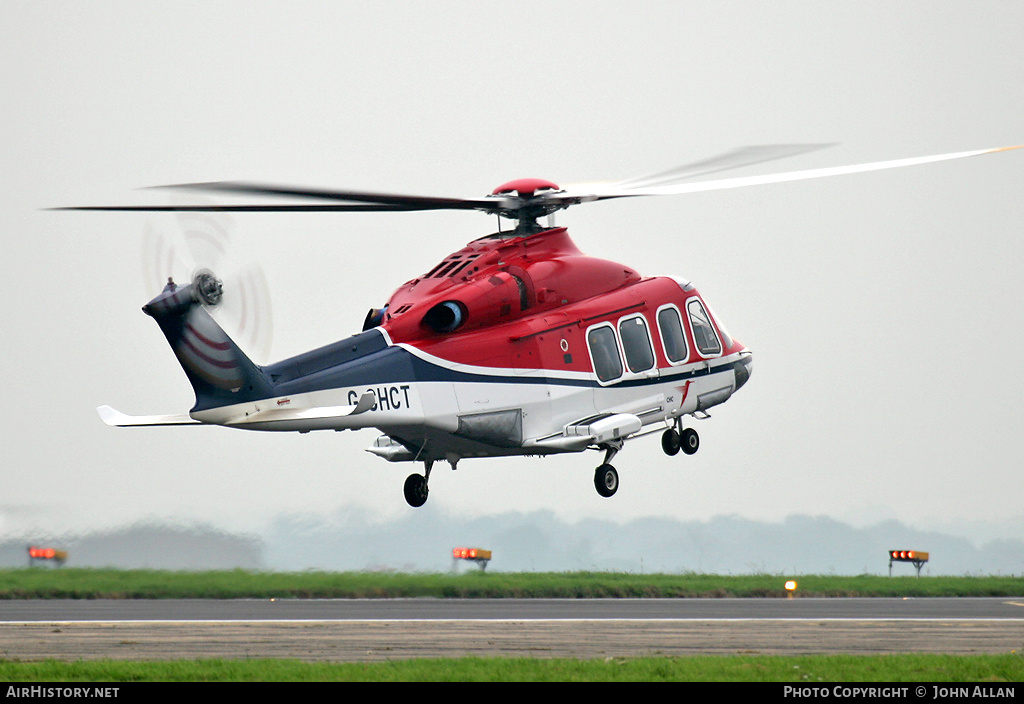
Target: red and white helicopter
x: 517, y: 344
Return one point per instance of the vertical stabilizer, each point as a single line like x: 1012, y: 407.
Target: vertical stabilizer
x: 220, y: 373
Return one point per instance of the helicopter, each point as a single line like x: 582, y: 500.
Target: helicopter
x: 518, y: 344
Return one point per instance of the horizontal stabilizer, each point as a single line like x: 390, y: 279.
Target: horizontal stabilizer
x: 114, y: 417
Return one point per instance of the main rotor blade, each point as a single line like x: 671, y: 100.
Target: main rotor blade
x: 527, y: 209
x: 406, y: 202
x: 677, y: 189
x: 348, y: 208
x: 742, y: 156
x: 358, y: 201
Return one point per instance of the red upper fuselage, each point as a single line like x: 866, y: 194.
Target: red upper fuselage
x: 525, y: 302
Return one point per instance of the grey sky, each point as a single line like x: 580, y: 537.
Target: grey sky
x: 884, y: 309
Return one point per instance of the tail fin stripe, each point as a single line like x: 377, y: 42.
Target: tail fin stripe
x: 223, y: 346
x: 223, y: 364
x: 231, y: 380
x: 214, y: 365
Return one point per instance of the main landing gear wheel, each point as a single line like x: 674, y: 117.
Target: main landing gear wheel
x: 670, y: 442
x: 689, y: 441
x: 416, y: 490
x: 416, y: 487
x: 606, y: 480
x: 675, y: 439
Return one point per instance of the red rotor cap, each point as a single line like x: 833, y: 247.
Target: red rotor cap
x: 525, y: 187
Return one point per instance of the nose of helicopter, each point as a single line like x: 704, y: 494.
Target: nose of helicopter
x: 742, y: 368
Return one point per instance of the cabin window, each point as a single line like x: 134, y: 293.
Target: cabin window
x: 604, y: 351
x: 636, y: 342
x: 703, y: 332
x: 670, y: 325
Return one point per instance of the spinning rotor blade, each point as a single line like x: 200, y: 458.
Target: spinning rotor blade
x: 353, y: 201
x: 242, y: 208
x: 378, y: 200
x: 737, y: 158
x: 701, y: 186
x: 527, y: 204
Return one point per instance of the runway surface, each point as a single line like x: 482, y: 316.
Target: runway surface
x: 380, y: 629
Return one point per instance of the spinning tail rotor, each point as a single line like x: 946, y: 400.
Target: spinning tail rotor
x: 210, y: 299
x: 200, y: 249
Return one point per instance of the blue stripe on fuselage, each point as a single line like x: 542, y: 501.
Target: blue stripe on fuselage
x: 365, y: 360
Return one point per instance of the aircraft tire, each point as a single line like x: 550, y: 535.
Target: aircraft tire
x: 670, y: 442
x: 416, y: 490
x: 606, y: 480
x: 689, y: 441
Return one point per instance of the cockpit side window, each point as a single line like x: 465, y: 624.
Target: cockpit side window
x: 722, y: 332
x: 604, y: 351
x: 703, y: 332
x: 670, y: 325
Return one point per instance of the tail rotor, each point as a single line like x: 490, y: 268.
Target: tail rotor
x: 199, y: 247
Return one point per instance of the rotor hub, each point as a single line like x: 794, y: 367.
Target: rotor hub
x: 525, y: 187
x: 207, y: 287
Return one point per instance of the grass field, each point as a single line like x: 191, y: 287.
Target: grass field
x: 43, y: 583
x: 807, y: 670
x: 79, y: 583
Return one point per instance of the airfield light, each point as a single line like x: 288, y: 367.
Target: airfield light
x: 790, y: 588
x: 915, y: 557
x: 46, y: 554
x: 477, y: 555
